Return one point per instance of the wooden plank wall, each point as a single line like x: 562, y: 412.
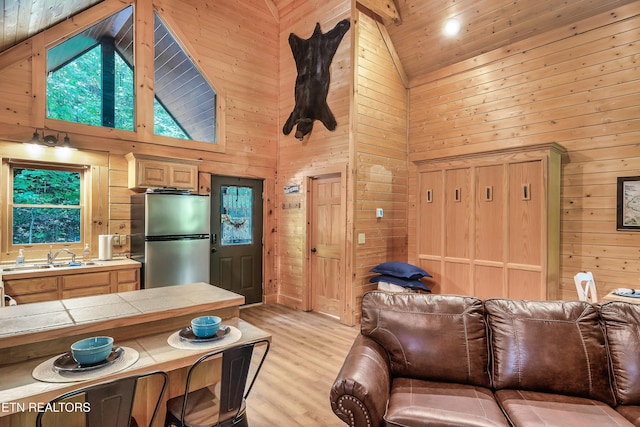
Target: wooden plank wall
x: 575, y: 86
x: 321, y: 152
x: 381, y: 103
x: 234, y: 42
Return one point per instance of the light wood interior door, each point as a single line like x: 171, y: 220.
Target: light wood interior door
x: 327, y: 245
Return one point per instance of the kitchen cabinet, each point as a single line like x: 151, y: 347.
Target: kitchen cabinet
x: 54, y: 284
x: 31, y: 290
x: 488, y: 224
x: 127, y: 280
x: 82, y: 285
x: 150, y: 171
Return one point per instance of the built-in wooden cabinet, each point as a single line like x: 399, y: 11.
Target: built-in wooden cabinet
x: 64, y: 285
x: 32, y: 290
x: 150, y: 172
x: 489, y: 225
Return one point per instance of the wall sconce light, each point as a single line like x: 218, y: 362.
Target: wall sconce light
x: 50, y: 140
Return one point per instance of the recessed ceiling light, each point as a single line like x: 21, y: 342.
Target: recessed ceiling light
x: 451, y: 27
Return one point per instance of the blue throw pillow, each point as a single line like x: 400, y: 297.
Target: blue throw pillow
x: 400, y: 269
x: 406, y: 283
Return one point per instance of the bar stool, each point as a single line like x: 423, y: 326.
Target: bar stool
x: 106, y: 404
x: 223, y: 404
x: 586, y: 287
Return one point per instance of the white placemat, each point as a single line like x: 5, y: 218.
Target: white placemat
x: 47, y: 373
x: 233, y: 336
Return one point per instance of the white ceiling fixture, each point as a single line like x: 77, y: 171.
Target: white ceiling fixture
x: 451, y: 27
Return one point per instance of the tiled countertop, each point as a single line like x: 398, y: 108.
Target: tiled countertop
x: 20, y: 388
x: 29, y: 323
x: 142, y: 320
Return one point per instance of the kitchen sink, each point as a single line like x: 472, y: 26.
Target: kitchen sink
x: 35, y: 267
x: 26, y: 267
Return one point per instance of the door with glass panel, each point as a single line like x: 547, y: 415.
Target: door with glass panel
x: 236, y: 236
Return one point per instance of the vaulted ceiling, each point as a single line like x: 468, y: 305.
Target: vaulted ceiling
x: 414, y: 26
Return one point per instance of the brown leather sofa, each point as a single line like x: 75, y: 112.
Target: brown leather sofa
x: 445, y: 360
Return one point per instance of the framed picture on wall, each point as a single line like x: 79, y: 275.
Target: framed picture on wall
x: 628, y: 206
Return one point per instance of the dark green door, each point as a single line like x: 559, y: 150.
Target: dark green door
x: 236, y: 236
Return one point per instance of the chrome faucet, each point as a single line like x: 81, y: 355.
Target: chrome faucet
x: 52, y: 256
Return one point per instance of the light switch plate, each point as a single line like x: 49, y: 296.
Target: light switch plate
x: 361, y: 238
x: 379, y: 213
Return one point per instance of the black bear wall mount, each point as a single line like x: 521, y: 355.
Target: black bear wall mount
x: 313, y: 57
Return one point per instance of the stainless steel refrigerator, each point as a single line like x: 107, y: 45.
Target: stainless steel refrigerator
x: 170, y: 237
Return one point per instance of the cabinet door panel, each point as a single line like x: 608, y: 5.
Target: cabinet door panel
x: 457, y: 238
x: 489, y: 282
x: 489, y: 217
x: 126, y: 276
x: 457, y: 279
x: 38, y: 297
x: 87, y: 280
x: 30, y: 286
x: 431, y: 201
x: 183, y: 176
x: 526, y: 285
x: 527, y: 197
x: 87, y: 291
x: 153, y: 174
x: 434, y: 268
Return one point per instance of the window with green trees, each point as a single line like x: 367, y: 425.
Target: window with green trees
x: 46, y: 205
x: 90, y: 80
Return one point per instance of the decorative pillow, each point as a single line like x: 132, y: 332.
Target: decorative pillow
x: 405, y: 283
x: 400, y: 269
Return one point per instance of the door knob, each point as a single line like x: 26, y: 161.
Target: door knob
x: 214, y: 250
x: 314, y: 250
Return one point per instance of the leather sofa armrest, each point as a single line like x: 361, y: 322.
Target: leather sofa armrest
x: 360, y: 393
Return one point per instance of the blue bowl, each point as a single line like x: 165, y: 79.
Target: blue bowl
x: 205, y: 326
x: 90, y: 351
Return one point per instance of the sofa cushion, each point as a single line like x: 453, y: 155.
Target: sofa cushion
x: 549, y: 346
x: 415, y: 402
x: 532, y: 409
x: 430, y: 337
x: 630, y: 412
x: 622, y: 327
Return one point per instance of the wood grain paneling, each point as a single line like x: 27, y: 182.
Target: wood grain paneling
x: 319, y: 153
x: 380, y: 155
x: 235, y: 44
x: 577, y: 90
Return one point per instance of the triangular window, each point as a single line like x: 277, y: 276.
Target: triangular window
x: 187, y: 97
x: 90, y: 76
x: 90, y: 80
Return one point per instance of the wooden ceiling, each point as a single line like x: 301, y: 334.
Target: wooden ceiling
x: 21, y: 19
x: 414, y: 26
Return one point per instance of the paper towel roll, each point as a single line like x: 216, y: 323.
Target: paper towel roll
x: 104, y: 247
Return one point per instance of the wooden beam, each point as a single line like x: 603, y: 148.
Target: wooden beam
x: 386, y: 9
x: 274, y: 9
x: 393, y: 53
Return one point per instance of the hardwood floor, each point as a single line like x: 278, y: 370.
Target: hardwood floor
x: 307, y: 351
